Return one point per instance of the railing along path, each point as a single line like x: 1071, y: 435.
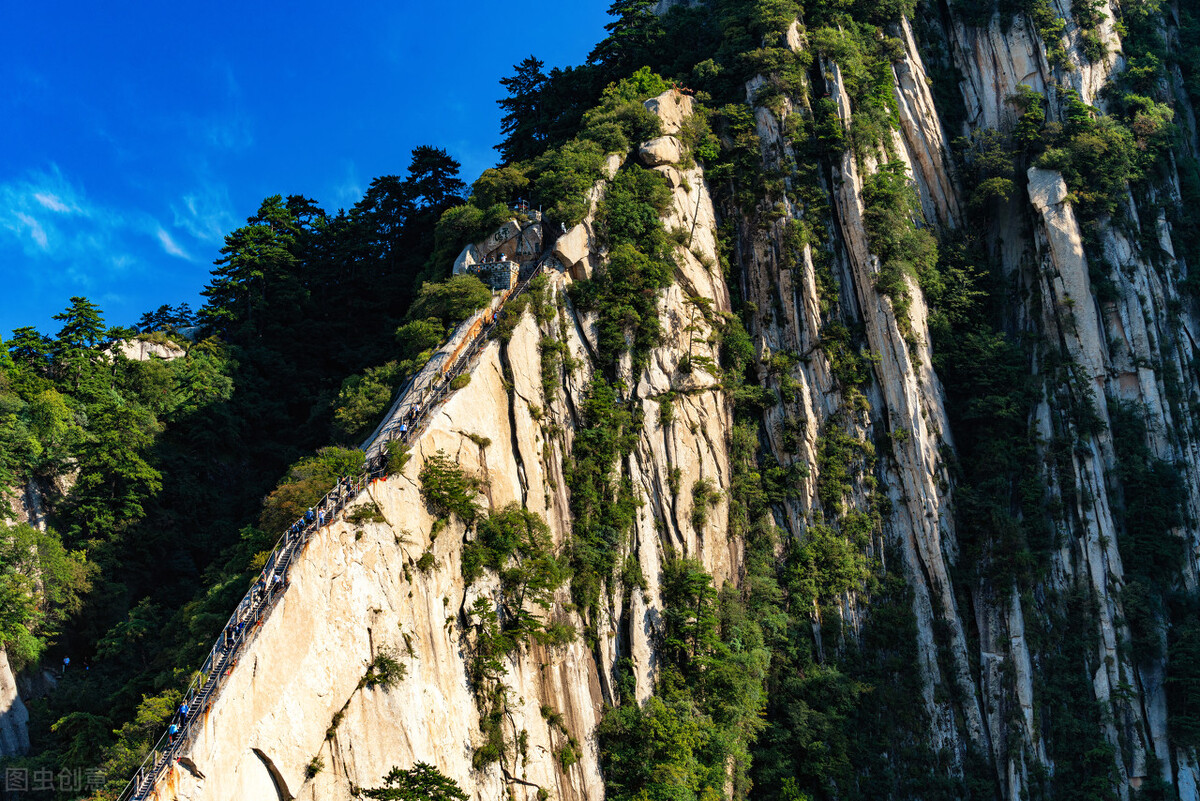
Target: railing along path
x: 407, y: 418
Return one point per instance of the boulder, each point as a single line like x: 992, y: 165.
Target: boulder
x: 674, y: 177
x: 469, y: 257
x: 612, y: 163
x: 508, y: 249
x: 672, y: 108
x: 582, y: 269
x: 663, y: 150
x: 572, y: 247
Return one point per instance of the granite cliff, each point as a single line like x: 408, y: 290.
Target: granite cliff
x: 843, y: 341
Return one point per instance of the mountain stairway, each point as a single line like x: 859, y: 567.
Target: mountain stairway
x: 407, y: 418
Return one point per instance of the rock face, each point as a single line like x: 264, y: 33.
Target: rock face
x: 983, y: 675
x: 14, y: 717
x: 27, y: 507
x: 467, y: 259
x: 984, y: 645
x: 612, y: 163
x: 672, y: 109
x: 663, y: 150
x: 143, y: 350
x: 358, y: 591
x: 573, y: 247
x: 512, y: 241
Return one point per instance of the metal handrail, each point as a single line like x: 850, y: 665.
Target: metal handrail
x: 271, y: 583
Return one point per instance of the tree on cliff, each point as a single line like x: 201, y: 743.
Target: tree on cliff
x: 422, y: 782
x: 83, y: 325
x: 115, y: 479
x: 30, y: 349
x: 631, y: 36
x: 524, y: 123
x: 40, y: 583
x: 166, y: 317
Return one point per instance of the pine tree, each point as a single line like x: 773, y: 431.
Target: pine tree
x: 631, y: 37
x: 524, y: 123
x: 433, y: 182
x: 166, y: 317
x: 30, y: 349
x: 83, y: 324
x: 83, y: 329
x: 145, y: 323
x: 115, y: 480
x: 690, y: 616
x: 255, y: 256
x: 183, y: 316
x: 435, y: 187
x: 380, y: 218
x: 422, y: 782
x: 376, y: 246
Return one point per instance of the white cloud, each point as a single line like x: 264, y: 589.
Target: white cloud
x: 52, y: 202
x: 122, y: 263
x: 36, y: 232
x: 169, y: 244
x: 350, y: 190
x: 28, y: 208
x: 206, y: 213
x: 232, y: 133
x: 48, y: 218
x: 69, y: 243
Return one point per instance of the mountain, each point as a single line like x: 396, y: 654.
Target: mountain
x: 843, y: 445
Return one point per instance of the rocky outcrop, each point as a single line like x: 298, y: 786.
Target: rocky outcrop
x: 293, y: 702
x: 27, y: 507
x: 663, y: 150
x: 468, y: 258
x: 513, y: 241
x: 14, y: 717
x: 672, y: 108
x: 573, y: 247
x: 356, y: 592
x: 27, y: 504
x: 1128, y: 345
x: 143, y: 350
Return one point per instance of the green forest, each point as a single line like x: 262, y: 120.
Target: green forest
x: 166, y: 483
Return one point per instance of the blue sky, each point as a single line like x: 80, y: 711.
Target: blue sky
x: 135, y: 135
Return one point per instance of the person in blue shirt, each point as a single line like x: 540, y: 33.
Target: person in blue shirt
x: 172, y: 730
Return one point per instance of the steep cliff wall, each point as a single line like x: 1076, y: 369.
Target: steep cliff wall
x: 986, y: 691
x: 296, y: 694
x: 27, y: 507
x: 1012, y: 637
